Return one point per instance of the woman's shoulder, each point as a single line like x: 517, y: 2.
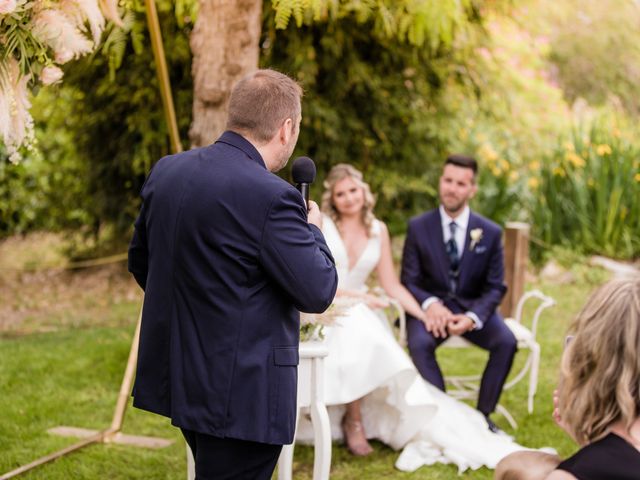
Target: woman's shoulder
x: 610, y: 457
x: 378, y: 228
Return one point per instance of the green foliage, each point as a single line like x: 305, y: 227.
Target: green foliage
x: 19, y: 42
x: 588, y: 193
x: 371, y: 101
x: 430, y: 24
x: 595, y: 48
x: 118, y: 119
x: 46, y: 190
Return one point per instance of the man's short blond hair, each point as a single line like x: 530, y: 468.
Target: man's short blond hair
x: 260, y: 103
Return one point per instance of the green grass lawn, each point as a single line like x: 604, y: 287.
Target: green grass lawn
x: 72, y: 376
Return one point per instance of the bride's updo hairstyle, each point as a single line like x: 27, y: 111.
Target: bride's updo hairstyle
x: 336, y: 174
x: 600, y: 370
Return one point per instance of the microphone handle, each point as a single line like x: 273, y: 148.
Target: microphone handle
x: 304, y: 190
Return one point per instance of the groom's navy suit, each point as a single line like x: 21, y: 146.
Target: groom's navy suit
x: 227, y: 259
x: 478, y: 288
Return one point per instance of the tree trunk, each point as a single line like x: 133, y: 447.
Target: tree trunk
x: 225, y: 43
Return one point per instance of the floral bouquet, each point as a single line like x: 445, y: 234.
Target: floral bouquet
x: 312, y: 324
x: 36, y: 37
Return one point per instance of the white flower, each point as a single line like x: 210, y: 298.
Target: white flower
x: 62, y: 56
x: 7, y: 6
x: 50, y: 75
x: 81, y: 10
x: 15, y: 120
x: 54, y: 28
x: 476, y: 236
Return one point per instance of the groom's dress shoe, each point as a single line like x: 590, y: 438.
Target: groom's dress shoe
x: 492, y: 426
x: 495, y: 429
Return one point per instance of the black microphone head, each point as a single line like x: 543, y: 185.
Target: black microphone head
x: 303, y: 170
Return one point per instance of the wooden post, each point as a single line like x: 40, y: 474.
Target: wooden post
x: 516, y: 257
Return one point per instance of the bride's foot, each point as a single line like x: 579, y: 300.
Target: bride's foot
x: 354, y: 437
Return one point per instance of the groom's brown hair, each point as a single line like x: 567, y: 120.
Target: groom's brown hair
x: 464, y: 161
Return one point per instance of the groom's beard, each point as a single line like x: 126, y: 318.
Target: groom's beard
x: 454, y: 206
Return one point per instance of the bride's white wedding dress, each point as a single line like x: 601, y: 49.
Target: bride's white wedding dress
x: 398, y: 407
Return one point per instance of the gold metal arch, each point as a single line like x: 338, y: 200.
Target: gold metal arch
x: 112, y: 434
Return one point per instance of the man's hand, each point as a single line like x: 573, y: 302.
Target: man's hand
x: 314, y: 216
x: 459, y: 324
x: 557, y: 416
x: 436, y: 318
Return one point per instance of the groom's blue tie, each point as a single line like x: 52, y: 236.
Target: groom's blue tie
x: 454, y: 257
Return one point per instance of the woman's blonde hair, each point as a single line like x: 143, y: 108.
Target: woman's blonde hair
x: 600, y: 371
x: 340, y: 172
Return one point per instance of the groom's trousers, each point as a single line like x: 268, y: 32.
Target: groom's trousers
x: 231, y: 459
x: 495, y: 337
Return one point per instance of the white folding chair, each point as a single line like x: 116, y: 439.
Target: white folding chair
x: 467, y: 387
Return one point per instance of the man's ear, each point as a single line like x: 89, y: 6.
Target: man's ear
x: 286, y: 130
x: 474, y: 190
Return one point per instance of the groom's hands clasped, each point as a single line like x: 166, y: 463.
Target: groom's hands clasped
x: 459, y: 324
x: 441, y: 322
x: 436, y: 319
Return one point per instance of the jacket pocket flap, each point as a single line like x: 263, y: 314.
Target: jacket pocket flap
x: 286, y: 356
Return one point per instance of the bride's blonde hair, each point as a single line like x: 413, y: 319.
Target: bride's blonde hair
x: 340, y: 172
x: 600, y: 370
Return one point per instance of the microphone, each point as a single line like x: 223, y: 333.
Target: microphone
x: 303, y: 172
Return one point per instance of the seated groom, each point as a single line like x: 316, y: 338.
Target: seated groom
x: 453, y: 264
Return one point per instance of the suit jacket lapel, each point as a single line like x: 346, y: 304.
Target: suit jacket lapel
x: 467, y: 254
x: 436, y: 242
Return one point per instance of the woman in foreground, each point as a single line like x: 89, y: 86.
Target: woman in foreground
x: 598, y: 399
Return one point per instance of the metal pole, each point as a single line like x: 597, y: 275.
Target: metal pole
x: 163, y: 75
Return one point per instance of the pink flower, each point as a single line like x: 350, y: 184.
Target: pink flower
x: 7, y: 6
x: 50, y: 75
x: 63, y: 55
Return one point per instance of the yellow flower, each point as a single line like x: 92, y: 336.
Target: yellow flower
x: 569, y: 147
x: 504, y: 164
x: 534, y: 166
x: 559, y: 172
x: 496, y: 171
x: 533, y: 183
x: 576, y: 160
x: 637, y: 177
x: 513, y: 176
x: 603, y: 150
x: 487, y: 152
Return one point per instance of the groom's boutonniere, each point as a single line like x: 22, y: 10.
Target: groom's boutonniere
x: 476, y: 236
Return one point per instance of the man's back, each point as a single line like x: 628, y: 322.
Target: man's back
x: 228, y: 250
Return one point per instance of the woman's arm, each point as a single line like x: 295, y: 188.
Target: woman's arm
x: 560, y: 475
x: 389, y: 280
x: 371, y: 300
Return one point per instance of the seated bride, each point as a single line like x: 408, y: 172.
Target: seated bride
x: 372, y: 388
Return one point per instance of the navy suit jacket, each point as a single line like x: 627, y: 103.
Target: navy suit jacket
x: 227, y: 260
x: 425, y: 265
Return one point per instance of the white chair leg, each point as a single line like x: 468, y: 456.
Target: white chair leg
x: 505, y: 413
x: 191, y: 464
x: 533, y: 376
x: 285, y: 462
x: 321, y: 425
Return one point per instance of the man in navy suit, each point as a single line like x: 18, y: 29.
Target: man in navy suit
x: 453, y: 264
x: 228, y: 255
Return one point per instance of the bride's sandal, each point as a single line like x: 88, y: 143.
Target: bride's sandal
x: 354, y: 437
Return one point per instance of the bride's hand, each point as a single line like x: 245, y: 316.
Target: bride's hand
x: 375, y: 302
